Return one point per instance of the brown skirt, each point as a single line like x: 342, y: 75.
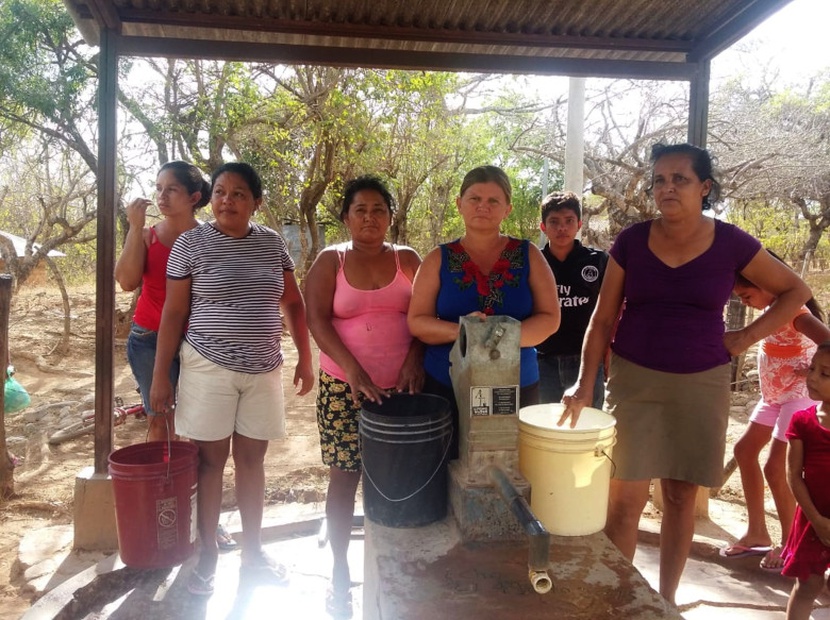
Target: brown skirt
x: 669, y: 425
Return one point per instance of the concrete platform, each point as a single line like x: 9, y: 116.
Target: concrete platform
x: 712, y: 588
x: 412, y: 574
x: 108, y: 589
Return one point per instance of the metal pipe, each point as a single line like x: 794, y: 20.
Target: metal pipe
x: 538, y: 536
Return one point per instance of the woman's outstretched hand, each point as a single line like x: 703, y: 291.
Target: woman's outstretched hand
x: 411, y: 378
x: 161, y: 395
x: 360, y: 382
x: 736, y: 341
x: 304, y: 379
x: 574, y: 401
x: 137, y: 212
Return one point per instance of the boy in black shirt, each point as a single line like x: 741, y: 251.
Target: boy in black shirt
x: 579, y: 271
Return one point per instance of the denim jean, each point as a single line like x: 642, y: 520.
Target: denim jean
x: 141, y: 354
x: 559, y: 372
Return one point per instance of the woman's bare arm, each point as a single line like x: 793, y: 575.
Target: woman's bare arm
x: 130, y: 266
x: 422, y: 318
x: 293, y: 307
x: 173, y: 319
x: 790, y: 291
x: 596, y: 342
x: 546, y: 313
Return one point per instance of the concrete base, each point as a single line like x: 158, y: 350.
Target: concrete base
x: 411, y: 574
x: 94, y: 513
x: 480, y: 511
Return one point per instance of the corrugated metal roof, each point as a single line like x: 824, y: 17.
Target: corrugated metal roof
x: 555, y: 36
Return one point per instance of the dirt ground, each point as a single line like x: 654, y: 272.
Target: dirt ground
x: 62, y: 387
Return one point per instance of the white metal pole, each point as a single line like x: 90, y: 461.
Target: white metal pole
x: 575, y: 140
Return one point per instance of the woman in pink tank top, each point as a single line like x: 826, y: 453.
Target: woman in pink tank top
x: 357, y: 298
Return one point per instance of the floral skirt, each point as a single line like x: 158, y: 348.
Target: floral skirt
x: 337, y: 421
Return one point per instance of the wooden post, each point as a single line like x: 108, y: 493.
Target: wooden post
x: 105, y: 263
x: 6, y: 469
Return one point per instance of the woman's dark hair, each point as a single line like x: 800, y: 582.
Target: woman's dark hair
x: 702, y: 163
x: 246, y: 171
x: 192, y: 178
x: 487, y: 174
x: 365, y: 182
x: 812, y: 305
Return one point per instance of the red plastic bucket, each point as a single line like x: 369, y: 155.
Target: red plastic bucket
x: 155, y: 502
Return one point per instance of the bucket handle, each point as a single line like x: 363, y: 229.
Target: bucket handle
x: 423, y: 486
x: 600, y: 451
x: 168, y: 453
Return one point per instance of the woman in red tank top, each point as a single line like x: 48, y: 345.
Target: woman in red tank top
x: 181, y: 189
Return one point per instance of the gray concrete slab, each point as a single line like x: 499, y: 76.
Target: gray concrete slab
x: 710, y: 590
x: 428, y: 573
x: 111, y: 590
x: 714, y: 587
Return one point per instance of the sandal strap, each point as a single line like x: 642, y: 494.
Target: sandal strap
x: 199, y: 584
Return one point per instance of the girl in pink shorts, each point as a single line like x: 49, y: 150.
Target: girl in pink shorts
x: 783, y: 360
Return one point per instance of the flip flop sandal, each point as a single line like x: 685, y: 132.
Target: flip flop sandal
x: 224, y: 540
x: 339, y: 606
x: 770, y: 558
x: 742, y: 551
x: 199, y: 585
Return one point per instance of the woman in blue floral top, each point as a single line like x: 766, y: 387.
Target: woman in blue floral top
x: 483, y: 273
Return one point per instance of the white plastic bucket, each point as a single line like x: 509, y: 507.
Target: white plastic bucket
x: 569, y: 469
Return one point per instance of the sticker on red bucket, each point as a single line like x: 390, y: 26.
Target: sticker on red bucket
x: 166, y: 519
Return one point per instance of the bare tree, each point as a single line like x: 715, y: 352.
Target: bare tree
x: 776, y: 145
x: 623, y: 120
x: 50, y: 210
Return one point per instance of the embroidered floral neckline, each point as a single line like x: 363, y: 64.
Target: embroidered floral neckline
x: 490, y: 288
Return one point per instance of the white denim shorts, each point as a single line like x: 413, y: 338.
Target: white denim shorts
x: 214, y: 402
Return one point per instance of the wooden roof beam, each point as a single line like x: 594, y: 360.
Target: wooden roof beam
x: 105, y: 15
x: 397, y: 33
x: 402, y: 59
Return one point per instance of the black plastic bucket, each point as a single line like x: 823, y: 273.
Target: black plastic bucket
x: 404, y: 445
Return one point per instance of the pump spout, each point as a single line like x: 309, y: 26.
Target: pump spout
x: 538, y: 536
x: 493, y: 340
x: 540, y: 580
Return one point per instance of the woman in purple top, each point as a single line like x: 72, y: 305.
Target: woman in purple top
x: 669, y: 375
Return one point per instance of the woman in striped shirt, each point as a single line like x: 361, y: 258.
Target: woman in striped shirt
x: 227, y: 280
